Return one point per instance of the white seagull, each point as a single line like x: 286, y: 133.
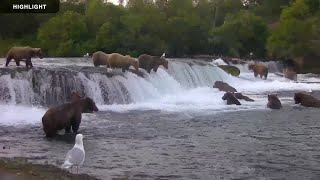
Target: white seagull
x: 76, y: 155
x: 86, y: 55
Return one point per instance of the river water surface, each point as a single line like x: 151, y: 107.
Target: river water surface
x: 167, y: 125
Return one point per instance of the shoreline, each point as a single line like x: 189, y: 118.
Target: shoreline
x: 19, y: 168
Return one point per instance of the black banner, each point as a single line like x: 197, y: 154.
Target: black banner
x: 29, y: 6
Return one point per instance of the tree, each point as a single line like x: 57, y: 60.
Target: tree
x: 297, y: 34
x: 62, y: 35
x: 241, y: 34
x: 270, y: 10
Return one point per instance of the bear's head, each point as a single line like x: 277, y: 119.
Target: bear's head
x: 75, y: 96
x: 135, y: 63
x: 273, y: 98
x: 165, y: 63
x: 251, y: 66
x: 38, y: 53
x: 218, y: 84
x: 227, y: 95
x: 90, y: 105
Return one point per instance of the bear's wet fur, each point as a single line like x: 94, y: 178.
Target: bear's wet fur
x: 259, y: 69
x: 149, y: 62
x: 222, y: 86
x: 67, y: 115
x: 306, y: 100
x: 274, y: 102
x: 231, y: 99
x: 23, y: 54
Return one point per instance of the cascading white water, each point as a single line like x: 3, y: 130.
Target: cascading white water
x: 185, y: 86
x: 29, y: 87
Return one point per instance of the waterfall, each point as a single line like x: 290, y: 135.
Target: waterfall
x: 274, y: 67
x: 48, y: 85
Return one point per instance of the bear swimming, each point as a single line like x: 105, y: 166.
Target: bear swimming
x: 23, y: 54
x: 100, y: 58
x: 274, y: 102
x: 230, y: 98
x: 241, y: 96
x: 306, y: 100
x: 67, y: 115
x: 259, y: 69
x: 148, y: 62
x: 222, y: 86
x: 117, y: 60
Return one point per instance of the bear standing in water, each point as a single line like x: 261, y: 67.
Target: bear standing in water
x: 230, y: 98
x: 274, y: 102
x: 23, y: 53
x: 67, y: 115
x: 306, y: 100
x: 259, y: 69
x: 148, y: 62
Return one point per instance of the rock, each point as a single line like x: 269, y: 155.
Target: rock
x: 234, y: 71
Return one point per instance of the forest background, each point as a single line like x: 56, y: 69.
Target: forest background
x: 247, y: 29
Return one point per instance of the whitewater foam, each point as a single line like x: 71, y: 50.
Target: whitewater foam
x: 181, y: 88
x: 12, y: 115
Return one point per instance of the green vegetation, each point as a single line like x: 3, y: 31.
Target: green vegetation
x: 234, y: 71
x: 267, y: 28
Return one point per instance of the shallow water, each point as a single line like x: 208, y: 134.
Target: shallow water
x: 170, y: 124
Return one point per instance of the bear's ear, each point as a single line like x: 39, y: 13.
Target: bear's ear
x: 38, y: 50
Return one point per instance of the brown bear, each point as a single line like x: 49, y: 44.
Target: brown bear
x: 290, y: 73
x: 222, y: 86
x: 75, y: 96
x: 117, y: 60
x: 148, y: 62
x: 259, y: 69
x: 23, y: 54
x: 100, y: 58
x: 67, y: 115
x: 241, y: 96
x: 230, y: 98
x: 306, y: 100
x: 273, y: 102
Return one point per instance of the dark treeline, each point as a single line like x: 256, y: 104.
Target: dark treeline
x: 267, y: 28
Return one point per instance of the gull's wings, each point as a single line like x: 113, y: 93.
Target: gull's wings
x: 75, y: 156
